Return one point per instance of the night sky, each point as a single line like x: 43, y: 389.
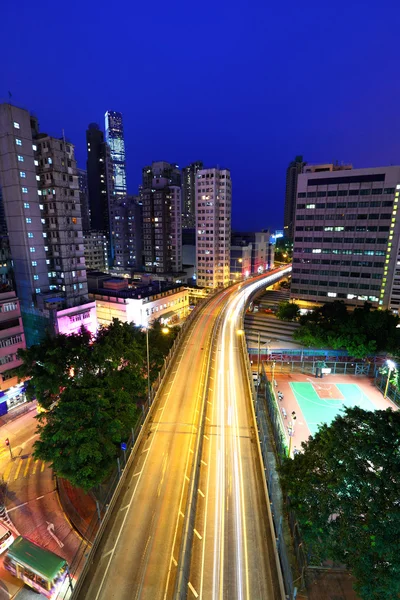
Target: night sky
x: 244, y: 85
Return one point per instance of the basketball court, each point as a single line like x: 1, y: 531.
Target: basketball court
x: 315, y: 401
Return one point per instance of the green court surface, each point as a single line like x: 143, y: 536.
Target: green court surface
x: 318, y: 410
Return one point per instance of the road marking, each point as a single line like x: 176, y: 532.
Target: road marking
x: 190, y: 450
x: 35, y: 464
x: 40, y: 497
x: 200, y: 492
x: 136, y: 474
x: 186, y: 477
x: 181, y: 514
x: 18, y: 469
x: 27, y: 466
x: 208, y: 402
x: 204, y: 463
x: 195, y: 594
x: 174, y: 561
x: 15, y: 507
x: 206, y: 436
x: 146, y: 449
x: 207, y: 419
x: 197, y: 533
x: 7, y: 472
x: 42, y: 467
x: 109, y: 552
x: 124, y: 508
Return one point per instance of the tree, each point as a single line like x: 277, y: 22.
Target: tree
x: 344, y: 488
x: 288, y: 311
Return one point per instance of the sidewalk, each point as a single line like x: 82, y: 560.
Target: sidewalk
x: 17, y: 412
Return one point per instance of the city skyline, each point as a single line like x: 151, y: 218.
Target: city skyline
x: 287, y: 89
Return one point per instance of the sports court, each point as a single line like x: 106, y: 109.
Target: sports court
x: 315, y: 401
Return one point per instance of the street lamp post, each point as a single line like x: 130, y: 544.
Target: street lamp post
x: 391, y: 367
x: 291, y: 433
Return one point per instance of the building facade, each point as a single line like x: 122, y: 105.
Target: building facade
x: 213, y: 227
x: 189, y: 194
x: 292, y: 172
x: 84, y: 199
x: 115, y: 139
x: 12, y: 338
x: 96, y: 250
x: 346, y: 239
x: 58, y: 189
x: 160, y: 196
x: 256, y: 251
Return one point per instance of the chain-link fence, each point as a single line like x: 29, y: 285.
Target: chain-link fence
x: 392, y: 391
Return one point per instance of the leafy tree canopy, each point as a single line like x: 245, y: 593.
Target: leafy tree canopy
x: 361, y: 332
x: 345, y: 488
x: 90, y: 391
x: 288, y: 311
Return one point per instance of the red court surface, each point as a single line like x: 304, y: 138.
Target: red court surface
x: 319, y: 400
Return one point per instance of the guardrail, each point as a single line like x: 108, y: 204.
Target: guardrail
x: 134, y: 443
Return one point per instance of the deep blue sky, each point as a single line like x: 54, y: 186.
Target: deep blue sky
x: 246, y: 85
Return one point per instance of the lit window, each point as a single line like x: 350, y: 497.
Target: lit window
x: 22, y: 174
x: 34, y: 263
x: 310, y: 205
x: 18, y: 142
x: 37, y: 177
x: 332, y: 294
x: 316, y: 251
x: 16, y: 125
x: 44, y: 234
x: 28, y: 220
x: 38, y: 290
x: 43, y: 221
x: 41, y: 206
x: 36, y: 277
x: 26, y: 205
x: 80, y: 286
x: 47, y: 261
x: 36, y: 163
x: 20, y: 158
x: 50, y: 161
x: 30, y: 235
x: 32, y: 249
x: 34, y: 148
x: 24, y: 190
x: 39, y: 192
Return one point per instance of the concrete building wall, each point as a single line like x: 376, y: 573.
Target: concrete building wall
x: 213, y: 227
x: 12, y: 337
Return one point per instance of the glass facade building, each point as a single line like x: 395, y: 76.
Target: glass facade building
x: 115, y: 139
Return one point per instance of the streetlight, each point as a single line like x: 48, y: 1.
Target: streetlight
x: 164, y: 330
x: 291, y: 433
x: 391, y: 367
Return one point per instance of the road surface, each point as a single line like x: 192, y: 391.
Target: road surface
x: 137, y: 555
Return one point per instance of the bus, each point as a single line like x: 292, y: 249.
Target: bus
x: 41, y: 569
x: 6, y: 538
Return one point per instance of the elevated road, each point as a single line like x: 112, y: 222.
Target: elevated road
x: 137, y: 556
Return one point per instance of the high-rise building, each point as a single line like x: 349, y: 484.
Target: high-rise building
x: 346, y: 238
x: 292, y: 172
x: 213, y: 227
x: 100, y: 185
x: 115, y: 139
x: 62, y: 222
x: 84, y: 198
x: 162, y: 220
x: 189, y: 194
x: 41, y: 203
x: 96, y: 250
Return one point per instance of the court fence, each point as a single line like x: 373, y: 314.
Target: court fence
x: 310, y: 366
x: 393, y: 392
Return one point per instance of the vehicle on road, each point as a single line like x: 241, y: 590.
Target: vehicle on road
x: 269, y: 311
x: 6, y: 538
x: 41, y: 569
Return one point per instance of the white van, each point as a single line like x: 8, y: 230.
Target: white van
x: 6, y: 538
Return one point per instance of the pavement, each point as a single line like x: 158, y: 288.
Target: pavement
x: 137, y: 556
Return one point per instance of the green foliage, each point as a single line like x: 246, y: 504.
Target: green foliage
x: 288, y: 311
x: 90, y: 390
x: 344, y: 488
x: 361, y: 332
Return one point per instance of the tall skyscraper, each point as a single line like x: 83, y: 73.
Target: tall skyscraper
x: 293, y: 170
x: 189, y: 194
x: 162, y: 218
x: 100, y: 185
x: 115, y: 139
x: 41, y: 203
x: 213, y: 227
x: 84, y: 198
x: 346, y: 239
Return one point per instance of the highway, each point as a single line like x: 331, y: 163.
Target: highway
x: 233, y: 553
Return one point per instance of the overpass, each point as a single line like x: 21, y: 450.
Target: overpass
x: 191, y: 518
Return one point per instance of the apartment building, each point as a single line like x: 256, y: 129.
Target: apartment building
x: 213, y: 227
x: 346, y: 237
x: 96, y: 250
x: 12, y: 338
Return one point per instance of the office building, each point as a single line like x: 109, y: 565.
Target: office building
x: 84, y: 199
x: 189, y: 194
x: 162, y: 220
x: 42, y: 210
x: 115, y: 139
x: 292, y: 172
x: 213, y: 227
x: 96, y: 250
x: 100, y: 185
x: 346, y: 237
